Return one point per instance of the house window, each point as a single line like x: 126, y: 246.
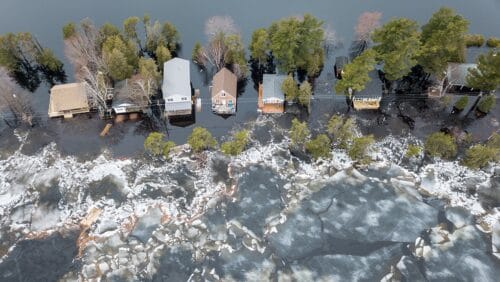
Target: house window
x: 184, y: 98
x: 170, y: 99
x: 223, y: 94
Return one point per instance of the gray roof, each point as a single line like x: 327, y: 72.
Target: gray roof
x: 176, y: 86
x: 271, y: 85
x: 456, y: 74
x: 373, y: 88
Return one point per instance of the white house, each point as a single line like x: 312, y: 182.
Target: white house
x: 176, y: 87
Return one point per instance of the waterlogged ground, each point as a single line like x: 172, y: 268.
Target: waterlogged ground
x: 265, y: 215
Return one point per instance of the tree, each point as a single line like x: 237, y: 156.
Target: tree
x: 69, y: 30
x: 440, y: 145
x: 297, y: 44
x: 155, y: 146
x: 360, y: 147
x: 156, y: 34
x: 201, y: 139
x: 478, y: 156
x: 162, y: 55
x: 289, y: 88
x: 197, y: 54
x: 398, y: 45
x: 341, y: 130
x: 443, y: 41
x: 356, y: 73
x: 117, y: 64
x: 235, y: 147
x: 367, y: 23
x: 299, y: 133
x: 15, y: 104
x: 130, y: 27
x: 487, y: 74
x: 259, y: 45
x: 487, y: 103
x: 305, y: 92
x: 461, y: 103
x: 144, y: 84
x: 319, y: 147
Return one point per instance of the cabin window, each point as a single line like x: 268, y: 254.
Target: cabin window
x: 223, y: 94
x: 170, y: 99
x: 184, y: 98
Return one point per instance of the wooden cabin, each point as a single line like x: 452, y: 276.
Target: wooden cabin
x: 176, y: 88
x: 340, y: 63
x: 370, y: 97
x: 224, y: 92
x: 271, y: 99
x: 67, y: 100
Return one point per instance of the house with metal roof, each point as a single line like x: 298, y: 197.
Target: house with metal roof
x: 456, y: 75
x: 271, y: 98
x: 68, y: 99
x: 224, y: 92
x: 176, y: 87
x: 369, y: 98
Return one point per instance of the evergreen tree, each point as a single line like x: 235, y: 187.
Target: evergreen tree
x: 487, y: 75
x: 319, y: 147
x: 299, y: 133
x: 356, y: 73
x: 201, y: 139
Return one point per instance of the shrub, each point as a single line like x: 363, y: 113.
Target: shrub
x: 445, y: 100
x: 413, y: 151
x: 319, y: 147
x: 462, y: 103
x: 486, y: 104
x: 359, y: 149
x: 235, y: 147
x: 299, y: 132
x: 493, y: 42
x: 494, y: 141
x: 201, y: 139
x: 474, y: 40
x: 155, y: 146
x: 289, y: 88
x: 479, y: 156
x: 441, y: 145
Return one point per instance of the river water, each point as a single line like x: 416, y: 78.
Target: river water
x: 264, y: 215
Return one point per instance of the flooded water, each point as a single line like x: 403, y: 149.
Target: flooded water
x: 265, y: 215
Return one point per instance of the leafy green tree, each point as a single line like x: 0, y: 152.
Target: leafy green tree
x: 259, y: 45
x: 170, y: 35
x: 341, y: 130
x: 299, y: 133
x: 443, y: 41
x: 487, y: 103
x: 398, y: 45
x: 413, y: 151
x: 360, y: 147
x: 305, y: 92
x: 235, y: 54
x: 69, y: 30
x: 106, y: 31
x: 117, y: 64
x: 487, y: 75
x: 319, y: 147
x: 201, y: 139
x: 130, y: 27
x: 235, y: 147
x: 156, y: 146
x: 46, y: 59
x: 162, y: 54
x: 289, y: 87
x: 478, y: 156
x: 356, y: 73
x: 196, y: 55
x: 440, y: 145
x: 462, y: 103
x: 294, y: 41
x: 149, y: 70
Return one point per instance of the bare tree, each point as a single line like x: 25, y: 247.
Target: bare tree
x: 214, y: 53
x: 367, y: 23
x: 139, y: 90
x: 331, y: 40
x: 220, y: 24
x: 13, y: 100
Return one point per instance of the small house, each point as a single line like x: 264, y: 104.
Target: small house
x: 126, y: 102
x: 224, y: 92
x: 271, y: 98
x: 340, y: 62
x: 68, y: 99
x: 369, y: 98
x: 456, y: 76
x: 176, y: 87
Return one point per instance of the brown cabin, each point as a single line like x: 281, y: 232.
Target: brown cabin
x: 68, y: 99
x: 224, y: 92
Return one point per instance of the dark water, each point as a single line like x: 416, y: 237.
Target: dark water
x: 46, y: 18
